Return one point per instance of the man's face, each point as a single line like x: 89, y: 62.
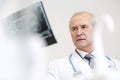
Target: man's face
x: 81, y: 29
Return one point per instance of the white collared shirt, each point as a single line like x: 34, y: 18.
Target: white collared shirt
x: 83, y: 53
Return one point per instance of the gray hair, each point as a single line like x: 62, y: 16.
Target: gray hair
x: 84, y: 12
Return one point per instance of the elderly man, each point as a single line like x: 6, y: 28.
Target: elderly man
x: 79, y: 64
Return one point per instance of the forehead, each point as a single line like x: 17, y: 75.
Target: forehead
x: 81, y: 18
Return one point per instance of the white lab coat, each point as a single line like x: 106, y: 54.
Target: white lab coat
x: 61, y: 69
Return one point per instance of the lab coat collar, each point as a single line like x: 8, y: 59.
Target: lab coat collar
x: 83, y: 53
x: 81, y: 65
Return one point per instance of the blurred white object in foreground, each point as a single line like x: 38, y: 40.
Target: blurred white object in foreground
x: 22, y: 56
x: 102, y: 71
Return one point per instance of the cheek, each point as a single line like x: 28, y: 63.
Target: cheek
x: 73, y: 37
x: 90, y: 36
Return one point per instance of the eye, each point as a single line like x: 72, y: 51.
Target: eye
x: 84, y: 26
x: 74, y: 28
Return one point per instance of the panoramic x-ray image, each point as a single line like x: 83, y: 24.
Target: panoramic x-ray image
x: 32, y: 19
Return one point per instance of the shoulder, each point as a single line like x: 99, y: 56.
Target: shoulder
x: 59, y: 67
x: 115, y: 63
x: 59, y: 62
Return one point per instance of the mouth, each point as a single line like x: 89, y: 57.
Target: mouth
x: 80, y: 39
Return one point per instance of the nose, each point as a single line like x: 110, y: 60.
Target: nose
x: 79, y: 31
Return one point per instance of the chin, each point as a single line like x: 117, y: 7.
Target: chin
x: 81, y: 46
